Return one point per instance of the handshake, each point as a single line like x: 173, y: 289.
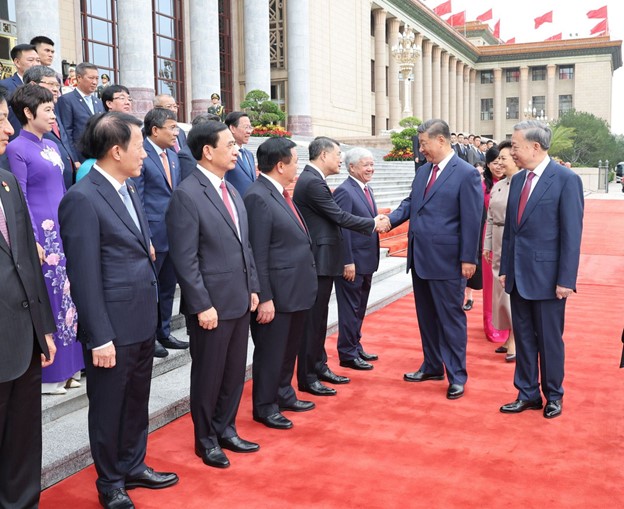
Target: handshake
x: 382, y: 224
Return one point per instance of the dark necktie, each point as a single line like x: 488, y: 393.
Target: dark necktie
x: 292, y: 207
x: 524, y: 195
x: 434, y: 172
x: 226, y: 200
x: 369, y: 199
x: 3, y: 228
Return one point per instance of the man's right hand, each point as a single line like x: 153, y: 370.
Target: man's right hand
x: 104, y: 357
x: 208, y: 319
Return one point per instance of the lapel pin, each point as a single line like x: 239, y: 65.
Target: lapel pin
x: 6, y: 186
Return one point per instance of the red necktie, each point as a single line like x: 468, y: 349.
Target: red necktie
x: 3, y: 228
x: 370, y: 200
x: 226, y: 200
x: 292, y: 207
x: 434, y: 172
x: 176, y: 146
x: 524, y: 195
x: 55, y: 128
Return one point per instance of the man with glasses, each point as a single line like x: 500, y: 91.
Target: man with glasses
x: 244, y: 173
x: 160, y: 175
x: 117, y: 98
x: 167, y: 102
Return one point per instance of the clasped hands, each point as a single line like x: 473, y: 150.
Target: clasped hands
x: 382, y: 224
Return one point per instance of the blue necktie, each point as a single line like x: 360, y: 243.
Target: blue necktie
x: 127, y: 201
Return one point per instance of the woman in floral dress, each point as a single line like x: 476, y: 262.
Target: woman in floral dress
x: 38, y: 167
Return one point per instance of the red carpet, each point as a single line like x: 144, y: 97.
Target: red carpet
x: 384, y: 443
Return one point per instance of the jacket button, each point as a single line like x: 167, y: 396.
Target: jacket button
x: 153, y: 283
x: 25, y: 304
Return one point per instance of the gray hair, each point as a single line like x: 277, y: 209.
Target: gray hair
x: 435, y: 127
x: 37, y: 72
x: 83, y: 67
x: 355, y: 155
x: 319, y: 145
x: 535, y: 131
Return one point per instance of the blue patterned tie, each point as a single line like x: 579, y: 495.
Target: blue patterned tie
x: 127, y: 201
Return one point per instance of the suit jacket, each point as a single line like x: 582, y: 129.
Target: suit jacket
x: 215, y: 266
x: 461, y: 151
x: 11, y: 84
x: 181, y: 139
x: 543, y: 251
x: 113, y: 279
x: 324, y: 218
x: 444, y: 226
x: 475, y: 155
x: 244, y: 173
x: 362, y: 250
x: 67, y: 153
x: 75, y: 114
x: 187, y: 162
x: 25, y: 312
x: 282, y: 249
x: 155, y: 192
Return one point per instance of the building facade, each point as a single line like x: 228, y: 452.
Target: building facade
x: 329, y: 64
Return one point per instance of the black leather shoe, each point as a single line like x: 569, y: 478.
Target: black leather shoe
x: 276, y: 421
x: 115, y: 499
x: 152, y: 480
x: 468, y: 305
x: 357, y: 363
x: 421, y: 376
x: 318, y: 389
x: 173, y: 343
x: 237, y: 444
x: 159, y: 350
x: 329, y: 376
x: 521, y: 405
x: 553, y: 409
x: 455, y: 391
x: 501, y: 349
x: 368, y: 356
x: 213, y: 457
x: 298, y: 406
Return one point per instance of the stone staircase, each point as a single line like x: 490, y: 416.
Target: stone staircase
x: 65, y: 434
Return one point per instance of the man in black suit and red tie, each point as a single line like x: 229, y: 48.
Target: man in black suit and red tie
x: 244, y: 173
x: 209, y: 245
x: 26, y: 342
x: 361, y: 259
x: 114, y: 286
x: 287, y: 273
x: 324, y: 218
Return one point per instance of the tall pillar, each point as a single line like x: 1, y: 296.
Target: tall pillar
x: 205, y: 66
x: 257, y: 52
x: 299, y: 109
x: 465, y: 92
x: 498, y: 104
x: 453, y: 94
x: 418, y: 82
x: 380, y: 70
x: 427, y: 81
x: 435, y: 68
x: 444, y: 81
x: 474, y: 112
x: 32, y: 20
x: 136, y: 53
x: 524, y: 91
x: 551, y: 99
x: 457, y: 97
x: 393, y: 78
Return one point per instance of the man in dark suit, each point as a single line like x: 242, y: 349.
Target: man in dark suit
x: 76, y: 108
x: 244, y: 173
x: 539, y: 264
x: 187, y: 161
x: 460, y: 147
x: 114, y: 286
x: 474, y: 151
x: 169, y: 103
x: 419, y: 159
x: 209, y: 246
x: 324, y: 218
x: 160, y: 175
x: 26, y: 342
x: 444, y: 209
x: 361, y: 259
x: 286, y: 270
x: 24, y: 56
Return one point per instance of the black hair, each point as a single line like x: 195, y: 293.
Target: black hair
x: 17, y: 50
x: 104, y: 131
x: 31, y: 97
x: 109, y: 93
x: 204, y: 134
x: 273, y: 151
x: 233, y: 118
x: 157, y: 117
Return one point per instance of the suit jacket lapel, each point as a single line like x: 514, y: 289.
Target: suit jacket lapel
x: 281, y: 201
x: 83, y: 102
x: 9, y: 214
x: 217, y: 201
x: 543, y: 183
x: 157, y: 160
x: 360, y: 193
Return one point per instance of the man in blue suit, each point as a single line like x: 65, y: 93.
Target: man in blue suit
x: 361, y: 259
x: 76, y: 108
x: 24, y: 56
x: 444, y: 209
x: 244, y: 173
x: 114, y: 285
x: 169, y: 103
x: 160, y: 175
x: 539, y: 264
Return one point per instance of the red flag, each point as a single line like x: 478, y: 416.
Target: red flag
x: 556, y: 37
x: 486, y: 16
x: 546, y: 18
x: 511, y: 41
x: 443, y: 9
x: 497, y: 29
x: 598, y: 13
x: 457, y: 20
x: 600, y: 27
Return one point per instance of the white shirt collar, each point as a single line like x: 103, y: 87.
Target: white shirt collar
x: 82, y: 94
x: 442, y: 164
x: 317, y: 169
x: 156, y: 147
x: 114, y: 182
x: 539, y: 169
x: 277, y: 185
x: 359, y: 182
x: 214, y: 180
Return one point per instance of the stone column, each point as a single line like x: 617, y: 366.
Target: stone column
x: 524, y: 91
x: 498, y: 105
x: 393, y: 76
x: 437, y: 89
x: 427, y: 81
x: 205, y: 66
x: 453, y: 95
x: 380, y: 70
x: 417, y: 88
x: 551, y: 98
x: 465, y: 92
x: 32, y: 19
x: 136, y: 53
x: 299, y: 109
x: 457, y: 95
x: 257, y: 54
x: 474, y: 112
x: 444, y: 82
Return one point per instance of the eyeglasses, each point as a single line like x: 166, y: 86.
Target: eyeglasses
x: 124, y: 98
x: 50, y: 84
x: 172, y: 128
